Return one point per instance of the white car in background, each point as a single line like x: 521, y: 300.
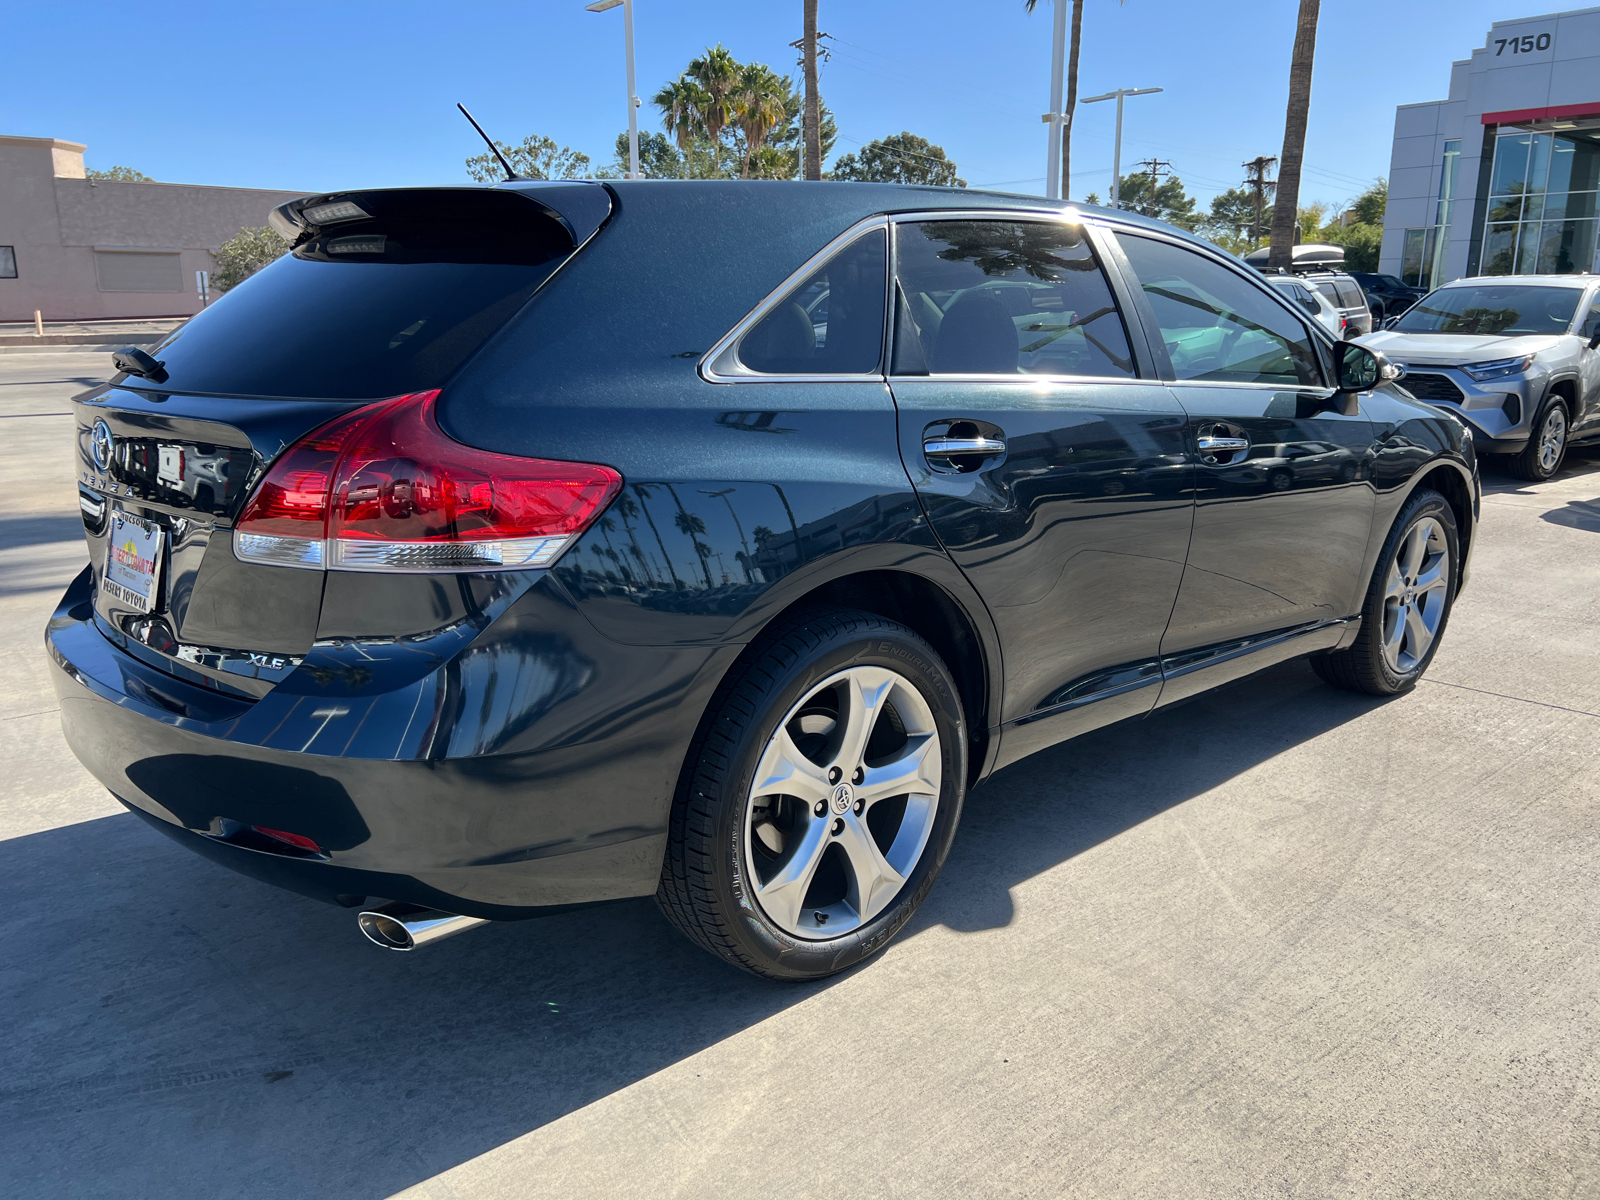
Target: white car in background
x: 1312, y: 301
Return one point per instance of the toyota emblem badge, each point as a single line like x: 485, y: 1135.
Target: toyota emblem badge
x: 100, y: 444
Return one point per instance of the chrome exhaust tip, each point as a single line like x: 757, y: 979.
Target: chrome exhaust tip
x: 400, y: 926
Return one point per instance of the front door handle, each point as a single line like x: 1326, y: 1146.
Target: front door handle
x: 1221, y: 445
x: 953, y: 447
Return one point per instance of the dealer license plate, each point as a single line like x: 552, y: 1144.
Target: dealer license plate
x: 133, y: 561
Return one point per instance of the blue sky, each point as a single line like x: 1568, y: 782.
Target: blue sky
x: 326, y: 95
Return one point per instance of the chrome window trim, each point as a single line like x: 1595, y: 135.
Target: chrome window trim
x: 733, y: 371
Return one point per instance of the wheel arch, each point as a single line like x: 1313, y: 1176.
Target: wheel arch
x: 957, y: 626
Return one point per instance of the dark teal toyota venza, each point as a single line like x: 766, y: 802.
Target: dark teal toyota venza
x: 500, y: 550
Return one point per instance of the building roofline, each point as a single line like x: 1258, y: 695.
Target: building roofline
x: 11, y: 139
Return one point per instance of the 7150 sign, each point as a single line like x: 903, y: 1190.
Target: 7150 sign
x: 1527, y: 44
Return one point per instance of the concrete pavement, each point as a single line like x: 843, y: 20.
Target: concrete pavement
x: 1280, y: 941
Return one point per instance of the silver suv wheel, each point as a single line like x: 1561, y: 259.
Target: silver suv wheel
x: 1416, y: 596
x: 1552, y: 439
x: 842, y: 803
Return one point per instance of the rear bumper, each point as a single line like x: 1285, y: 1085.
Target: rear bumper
x: 527, y: 768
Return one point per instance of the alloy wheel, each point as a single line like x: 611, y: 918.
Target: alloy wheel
x: 1552, y: 439
x: 1414, y: 598
x: 842, y: 803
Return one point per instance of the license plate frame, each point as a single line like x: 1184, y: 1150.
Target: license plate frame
x: 135, y: 548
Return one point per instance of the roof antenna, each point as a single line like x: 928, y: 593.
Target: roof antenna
x: 495, y: 150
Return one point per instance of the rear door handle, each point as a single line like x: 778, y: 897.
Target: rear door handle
x: 951, y: 447
x: 1221, y: 445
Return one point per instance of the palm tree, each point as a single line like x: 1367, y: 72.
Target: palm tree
x: 682, y: 103
x: 1286, y: 204
x: 812, y: 126
x: 643, y: 490
x: 758, y: 107
x: 717, y: 72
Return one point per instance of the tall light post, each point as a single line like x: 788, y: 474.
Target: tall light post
x: 1116, y: 154
x: 633, y: 100
x: 1054, y: 118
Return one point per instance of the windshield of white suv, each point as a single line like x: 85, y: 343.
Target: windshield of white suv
x: 1505, y: 309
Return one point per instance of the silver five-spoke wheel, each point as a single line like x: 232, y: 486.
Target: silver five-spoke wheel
x: 842, y: 802
x: 1416, y: 594
x: 1552, y: 439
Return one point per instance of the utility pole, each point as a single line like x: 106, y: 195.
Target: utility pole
x: 1156, y: 166
x: 1259, y: 185
x: 813, y: 116
x: 1116, y: 155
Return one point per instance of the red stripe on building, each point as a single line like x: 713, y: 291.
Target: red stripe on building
x: 1559, y: 112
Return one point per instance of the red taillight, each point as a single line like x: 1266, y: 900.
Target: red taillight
x: 385, y: 489
x: 293, y: 839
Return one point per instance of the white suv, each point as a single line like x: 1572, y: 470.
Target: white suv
x: 1515, y: 356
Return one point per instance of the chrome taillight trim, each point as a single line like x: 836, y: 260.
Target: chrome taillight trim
x: 342, y: 554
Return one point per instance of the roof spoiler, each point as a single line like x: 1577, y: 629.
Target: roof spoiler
x: 581, y: 206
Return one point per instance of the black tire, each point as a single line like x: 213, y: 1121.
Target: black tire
x: 705, y: 888
x: 1364, y: 667
x: 1530, y: 464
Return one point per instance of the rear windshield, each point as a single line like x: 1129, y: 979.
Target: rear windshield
x: 376, y: 306
x: 1505, y: 309
x: 1350, y: 294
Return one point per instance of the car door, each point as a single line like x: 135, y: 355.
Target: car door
x: 1586, y: 423
x: 1050, y: 458
x: 1283, y: 507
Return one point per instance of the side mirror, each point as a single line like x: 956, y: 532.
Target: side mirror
x: 1361, y: 370
x: 1594, y: 342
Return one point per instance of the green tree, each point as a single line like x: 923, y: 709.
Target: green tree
x: 536, y: 157
x: 1230, y: 220
x: 900, y: 158
x: 735, y: 120
x: 1167, y: 201
x: 658, y: 158
x: 119, y: 175
x: 242, y: 255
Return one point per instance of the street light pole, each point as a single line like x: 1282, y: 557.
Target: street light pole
x: 1116, y: 154
x: 633, y: 100
x: 1052, y: 170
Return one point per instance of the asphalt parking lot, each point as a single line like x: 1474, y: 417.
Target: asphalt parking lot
x: 1281, y: 941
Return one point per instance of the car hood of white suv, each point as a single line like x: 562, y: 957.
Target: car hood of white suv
x: 1448, y: 348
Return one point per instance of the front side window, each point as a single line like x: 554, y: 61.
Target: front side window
x: 1004, y: 298
x: 1216, y: 325
x: 832, y: 324
x: 1500, y: 309
x: 8, y: 262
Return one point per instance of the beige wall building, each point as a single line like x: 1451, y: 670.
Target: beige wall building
x: 77, y: 248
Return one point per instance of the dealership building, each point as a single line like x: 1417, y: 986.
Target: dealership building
x: 75, y: 248
x: 1502, y: 176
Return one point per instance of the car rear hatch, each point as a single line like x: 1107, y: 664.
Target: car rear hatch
x: 384, y: 294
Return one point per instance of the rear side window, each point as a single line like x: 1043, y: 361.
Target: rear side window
x: 392, y: 302
x: 832, y: 324
x: 1004, y: 298
x: 1216, y: 324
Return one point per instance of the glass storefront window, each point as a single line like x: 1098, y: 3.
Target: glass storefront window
x: 1542, y: 203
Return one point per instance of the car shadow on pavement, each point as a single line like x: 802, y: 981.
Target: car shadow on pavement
x: 177, y: 1030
